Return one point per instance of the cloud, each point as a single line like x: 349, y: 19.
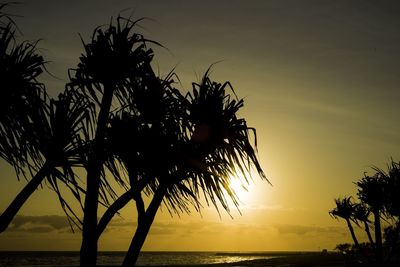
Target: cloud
x: 202, y: 228
x: 156, y: 228
x: 59, y: 224
x: 308, y: 229
x: 170, y: 227
x: 39, y: 224
x: 120, y: 222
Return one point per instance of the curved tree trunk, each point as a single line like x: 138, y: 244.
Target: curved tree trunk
x: 378, y: 236
x: 112, y: 210
x: 353, y: 235
x: 8, y: 215
x: 119, y: 204
x: 88, y: 252
x: 144, y: 224
x: 371, y: 241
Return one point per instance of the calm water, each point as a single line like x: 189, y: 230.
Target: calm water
x: 38, y: 259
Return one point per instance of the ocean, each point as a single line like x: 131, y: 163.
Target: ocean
x: 52, y: 258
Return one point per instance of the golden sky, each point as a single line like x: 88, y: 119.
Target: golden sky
x: 321, y: 82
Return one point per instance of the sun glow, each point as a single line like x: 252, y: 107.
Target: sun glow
x: 240, y: 189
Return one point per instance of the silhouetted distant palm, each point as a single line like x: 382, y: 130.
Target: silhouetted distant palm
x: 361, y: 214
x: 379, y: 196
x: 392, y: 189
x: 371, y: 191
x: 114, y: 60
x: 344, y: 209
x: 392, y: 206
x: 385, y: 185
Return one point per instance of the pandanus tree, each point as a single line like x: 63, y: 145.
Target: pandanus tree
x: 393, y: 204
x: 391, y: 183
x: 361, y: 214
x: 55, y: 148
x: 391, y: 179
x: 148, y: 145
x: 179, y: 149
x: 116, y: 114
x: 115, y: 60
x: 20, y: 65
x: 39, y: 136
x: 379, y: 196
x: 371, y: 191
x: 344, y: 209
x: 144, y: 137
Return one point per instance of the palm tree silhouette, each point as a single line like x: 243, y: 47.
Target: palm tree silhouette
x: 361, y: 213
x: 179, y: 149
x: 20, y: 65
x: 392, y: 205
x: 344, y: 209
x: 117, y: 114
x: 114, y: 58
x: 149, y: 158
x: 392, y: 178
x: 53, y: 136
x: 380, y: 192
x: 378, y: 195
x: 371, y: 191
x: 37, y: 135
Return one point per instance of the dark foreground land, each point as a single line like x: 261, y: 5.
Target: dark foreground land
x: 296, y: 260
x: 311, y: 260
x: 308, y: 260
x: 290, y: 260
x: 272, y: 259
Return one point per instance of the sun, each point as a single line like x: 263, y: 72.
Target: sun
x: 236, y: 185
x: 239, y: 188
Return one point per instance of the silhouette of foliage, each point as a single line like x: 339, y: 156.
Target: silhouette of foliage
x: 361, y: 214
x: 116, y: 116
x: 344, y: 248
x: 38, y: 135
x: 113, y: 65
x: 344, y: 209
x: 169, y: 136
x: 20, y: 65
x: 378, y: 195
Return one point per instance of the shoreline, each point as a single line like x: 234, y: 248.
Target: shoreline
x: 273, y: 259
x: 296, y: 259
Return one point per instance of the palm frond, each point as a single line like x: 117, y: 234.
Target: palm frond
x: 115, y: 56
x: 20, y: 65
x: 344, y: 208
